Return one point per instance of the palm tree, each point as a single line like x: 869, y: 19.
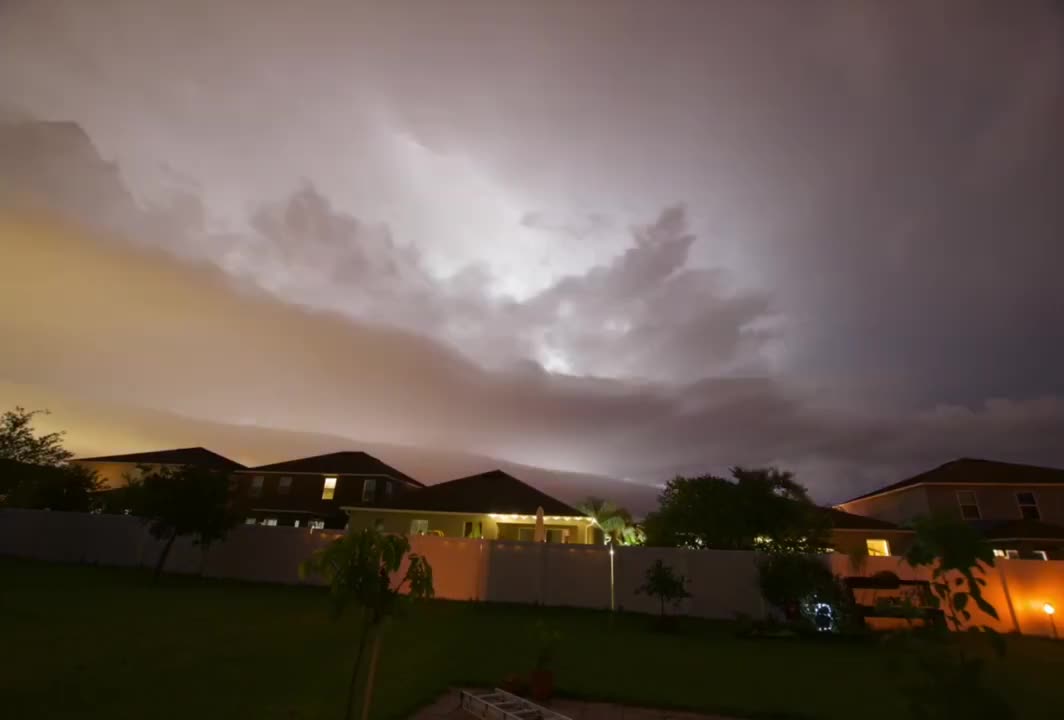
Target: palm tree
x: 614, y: 521
x: 359, y: 569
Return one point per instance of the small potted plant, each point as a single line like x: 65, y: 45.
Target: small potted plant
x: 541, y: 680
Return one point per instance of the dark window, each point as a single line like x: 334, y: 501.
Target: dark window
x: 369, y: 489
x: 1028, y: 506
x: 473, y: 529
x: 284, y: 485
x: 255, y: 489
x: 969, y: 505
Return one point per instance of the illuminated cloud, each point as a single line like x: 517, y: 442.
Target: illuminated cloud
x: 549, y: 235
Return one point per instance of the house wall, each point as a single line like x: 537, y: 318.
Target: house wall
x: 998, y: 502
x: 453, y: 524
x: 304, y: 497
x: 896, y: 507
x: 850, y: 542
x: 721, y: 582
x: 114, y: 474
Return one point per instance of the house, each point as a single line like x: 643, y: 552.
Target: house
x: 113, y: 470
x: 1018, y: 508
x: 493, y: 506
x: 316, y: 491
x: 859, y: 535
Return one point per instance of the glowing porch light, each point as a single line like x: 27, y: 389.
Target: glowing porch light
x: 1048, y: 609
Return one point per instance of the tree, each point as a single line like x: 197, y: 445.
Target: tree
x: 69, y: 488
x: 663, y: 583
x: 763, y: 507
x: 182, y: 501
x: 947, y: 546
x: 802, y: 586
x: 359, y: 569
x: 616, y: 522
x: 18, y: 441
x: 943, y: 675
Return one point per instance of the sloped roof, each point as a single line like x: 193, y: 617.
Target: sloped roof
x: 848, y: 521
x: 1025, y: 529
x: 197, y: 456
x: 973, y: 471
x: 338, y: 463
x: 491, y: 492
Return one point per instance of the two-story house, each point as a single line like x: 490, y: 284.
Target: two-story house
x: 313, y: 491
x: 114, y: 470
x: 1018, y: 508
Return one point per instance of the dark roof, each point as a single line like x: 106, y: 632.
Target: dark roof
x: 1025, y: 529
x: 338, y: 463
x: 491, y: 492
x: 971, y: 471
x: 848, y: 521
x: 197, y: 456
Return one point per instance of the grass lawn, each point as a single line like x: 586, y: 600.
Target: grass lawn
x: 103, y: 643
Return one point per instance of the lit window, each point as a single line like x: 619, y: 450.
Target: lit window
x: 999, y: 553
x: 419, y: 527
x: 255, y: 489
x: 251, y: 521
x: 1041, y: 554
x: 555, y: 535
x: 472, y: 529
x: 272, y: 522
x: 969, y: 505
x: 295, y: 524
x: 329, y: 489
x: 877, y: 547
x: 284, y: 485
x: 369, y: 489
x: 1028, y: 506
x: 316, y: 524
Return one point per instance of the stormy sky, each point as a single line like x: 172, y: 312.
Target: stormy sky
x: 621, y: 238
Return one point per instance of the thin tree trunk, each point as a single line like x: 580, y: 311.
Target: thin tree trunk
x: 358, y: 664
x: 162, y: 557
x: 374, y: 654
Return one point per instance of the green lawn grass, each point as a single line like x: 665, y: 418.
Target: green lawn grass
x: 104, y: 643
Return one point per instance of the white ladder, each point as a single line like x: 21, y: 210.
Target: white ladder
x: 500, y: 705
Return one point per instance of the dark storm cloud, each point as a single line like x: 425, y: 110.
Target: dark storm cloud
x: 859, y: 275
x: 135, y: 327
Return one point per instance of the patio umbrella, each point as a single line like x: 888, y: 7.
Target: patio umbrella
x: 541, y: 530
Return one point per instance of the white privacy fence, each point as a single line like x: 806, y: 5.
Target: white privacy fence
x: 722, y: 583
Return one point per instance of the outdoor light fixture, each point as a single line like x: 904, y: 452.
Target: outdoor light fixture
x: 1049, y: 610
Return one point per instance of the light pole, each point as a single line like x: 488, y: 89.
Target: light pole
x: 1049, y: 610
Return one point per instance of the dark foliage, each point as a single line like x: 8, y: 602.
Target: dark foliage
x: 183, y: 501
x: 755, y: 508
x: 69, y: 488
x: 18, y: 441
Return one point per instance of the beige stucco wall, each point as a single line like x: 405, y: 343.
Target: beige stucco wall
x: 452, y: 524
x: 849, y: 542
x: 896, y: 507
x: 998, y: 502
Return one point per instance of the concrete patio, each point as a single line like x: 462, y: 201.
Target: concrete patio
x: 446, y: 708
